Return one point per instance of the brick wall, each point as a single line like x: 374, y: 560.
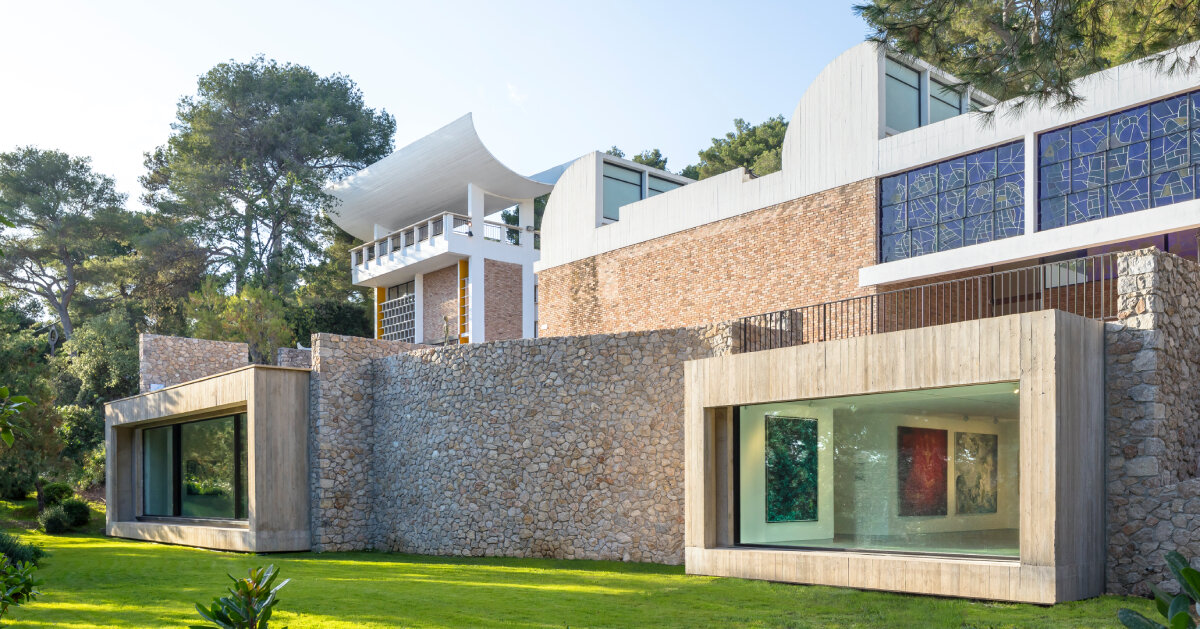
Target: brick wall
x: 797, y: 253
x: 170, y: 360
x: 440, y: 295
x: 502, y: 300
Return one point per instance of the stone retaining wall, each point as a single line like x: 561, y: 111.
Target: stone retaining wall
x: 1153, y: 423
x: 293, y: 357
x: 170, y: 360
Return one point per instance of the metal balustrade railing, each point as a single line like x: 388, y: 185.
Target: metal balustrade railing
x: 1083, y: 286
x: 434, y: 227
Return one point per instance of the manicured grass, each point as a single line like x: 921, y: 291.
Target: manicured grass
x: 93, y: 581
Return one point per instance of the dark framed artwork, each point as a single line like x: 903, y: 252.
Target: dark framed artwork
x: 975, y: 486
x: 921, y: 470
x: 791, y: 461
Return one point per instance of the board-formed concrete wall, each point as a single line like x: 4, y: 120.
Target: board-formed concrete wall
x: 170, y: 360
x: 1153, y: 407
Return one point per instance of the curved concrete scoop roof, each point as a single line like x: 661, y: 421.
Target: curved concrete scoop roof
x: 428, y: 177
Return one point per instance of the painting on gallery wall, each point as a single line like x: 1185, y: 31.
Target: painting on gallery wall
x: 975, y: 485
x: 791, y: 461
x: 921, y: 470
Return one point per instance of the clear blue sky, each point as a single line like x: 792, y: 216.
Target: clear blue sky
x: 547, y: 81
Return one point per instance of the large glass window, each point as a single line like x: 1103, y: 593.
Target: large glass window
x: 944, y: 102
x: 962, y: 201
x: 196, y: 469
x: 658, y: 185
x: 1126, y: 162
x: 622, y: 186
x: 902, y: 94
x: 931, y: 471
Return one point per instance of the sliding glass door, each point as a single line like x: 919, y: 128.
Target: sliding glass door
x: 196, y: 469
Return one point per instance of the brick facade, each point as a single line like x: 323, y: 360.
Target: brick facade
x: 440, y: 295
x: 800, y: 252
x: 502, y: 300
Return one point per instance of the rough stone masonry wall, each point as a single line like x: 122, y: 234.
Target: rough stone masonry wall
x: 801, y: 252
x: 340, y: 437
x: 293, y: 357
x: 170, y: 360
x: 1153, y: 423
x: 568, y: 447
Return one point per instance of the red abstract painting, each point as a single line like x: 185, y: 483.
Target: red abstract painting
x: 921, y: 470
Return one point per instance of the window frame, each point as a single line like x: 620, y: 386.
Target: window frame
x: 241, y: 505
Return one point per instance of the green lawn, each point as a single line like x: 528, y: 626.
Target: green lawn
x: 93, y: 581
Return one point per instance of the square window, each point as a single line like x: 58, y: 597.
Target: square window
x: 977, y: 229
x: 1010, y: 159
x: 1169, y: 152
x: 1169, y: 116
x: 893, y: 190
x: 1052, y: 213
x: 895, y: 247
x: 1010, y: 222
x: 1087, y: 172
x: 952, y: 205
x: 1172, y: 187
x: 1010, y: 191
x: 1089, y: 137
x: 1055, y: 146
x: 922, y: 212
x: 950, y: 235
x: 1129, y: 126
x: 981, y: 166
x: 1128, y: 196
x: 952, y: 174
x: 1055, y: 180
x: 894, y: 219
x: 1085, y: 206
x: 923, y: 241
x: 922, y: 182
x: 979, y: 198
x: 1128, y: 162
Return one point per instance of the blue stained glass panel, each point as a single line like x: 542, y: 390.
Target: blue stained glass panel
x: 1010, y: 159
x: 952, y: 204
x: 923, y: 182
x: 1172, y: 187
x: 979, y: 198
x: 1085, y: 206
x: 1128, y: 196
x: 924, y: 240
x: 977, y: 229
x: 950, y: 235
x: 1168, y: 152
x: 1128, y: 162
x: 1089, y: 137
x: 1129, y: 126
x: 1169, y: 116
x: 1194, y: 106
x: 1052, y: 213
x: 1010, y: 191
x: 981, y: 166
x: 1054, y: 146
x: 895, y: 247
x: 1195, y: 144
x: 893, y: 190
x: 1055, y: 180
x: 1010, y: 222
x: 1087, y: 172
x: 894, y: 219
x: 922, y: 212
x: 952, y: 174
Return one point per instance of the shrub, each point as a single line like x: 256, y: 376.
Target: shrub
x: 15, y: 485
x: 90, y: 472
x: 250, y: 605
x: 54, y: 520
x: 17, y: 551
x: 78, y: 513
x: 19, y: 586
x: 1177, y: 610
x: 55, y: 493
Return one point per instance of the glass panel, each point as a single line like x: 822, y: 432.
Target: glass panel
x: 1085, y: 206
x: 903, y: 105
x: 952, y: 205
x: 1010, y: 222
x: 1169, y: 116
x: 981, y: 166
x: 1052, y: 213
x: 939, y: 110
x: 1089, y: 137
x: 952, y: 174
x: 1010, y: 159
x: 1168, y: 152
x: 618, y: 193
x: 950, y: 235
x: 1128, y: 196
x: 1054, y: 146
x: 1087, y: 172
x: 923, y: 241
x: 922, y: 182
x: 1010, y: 191
x: 621, y: 173
x: 933, y: 471
x: 895, y: 219
x: 922, y: 212
x: 658, y: 185
x: 1055, y: 180
x: 979, y: 199
x: 903, y: 73
x: 1128, y: 162
x: 895, y: 247
x: 977, y: 229
x: 893, y: 190
x: 208, y: 467
x: 1129, y: 126
x: 157, y: 491
x: 243, y: 471
x: 1171, y: 187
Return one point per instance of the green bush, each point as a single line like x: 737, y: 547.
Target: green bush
x: 78, y: 513
x: 1178, y: 609
x: 54, y: 520
x: 17, y: 551
x: 250, y: 603
x: 15, y: 484
x: 17, y: 585
x: 55, y: 493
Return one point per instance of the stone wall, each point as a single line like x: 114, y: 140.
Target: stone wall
x: 801, y: 252
x: 293, y: 357
x: 502, y: 300
x: 170, y: 360
x: 340, y: 441
x: 440, y: 298
x: 1153, y: 421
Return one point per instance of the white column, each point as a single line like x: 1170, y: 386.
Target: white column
x: 525, y: 222
x: 419, y: 308
x: 528, y: 307
x: 475, y: 292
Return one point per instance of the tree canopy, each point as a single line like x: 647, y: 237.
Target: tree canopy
x: 1029, y: 51
x: 757, y: 148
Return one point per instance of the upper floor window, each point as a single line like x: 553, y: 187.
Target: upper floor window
x: 902, y: 94
x: 1125, y: 162
x: 400, y: 290
x: 944, y: 101
x: 658, y: 185
x: 622, y: 186
x: 958, y: 202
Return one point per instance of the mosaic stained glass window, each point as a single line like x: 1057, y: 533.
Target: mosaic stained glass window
x: 951, y: 204
x: 1132, y: 160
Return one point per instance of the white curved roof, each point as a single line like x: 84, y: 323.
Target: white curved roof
x: 428, y: 177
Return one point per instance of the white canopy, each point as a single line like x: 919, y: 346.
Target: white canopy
x: 428, y: 177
